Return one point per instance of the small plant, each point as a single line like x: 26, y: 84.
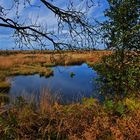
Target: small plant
x: 88, y: 120
x: 72, y: 74
x: 132, y: 104
x: 120, y: 108
x: 8, y: 125
x: 4, y: 98
x: 89, y: 102
x: 109, y: 105
x: 20, y: 102
x: 117, y: 108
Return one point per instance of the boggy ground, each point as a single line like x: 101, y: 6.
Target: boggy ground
x: 27, y: 62
x: 49, y: 120
x: 86, y: 121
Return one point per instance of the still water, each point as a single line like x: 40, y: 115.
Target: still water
x: 70, y: 83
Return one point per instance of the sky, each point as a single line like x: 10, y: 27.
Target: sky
x: 38, y: 12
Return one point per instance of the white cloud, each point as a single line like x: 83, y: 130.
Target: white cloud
x: 45, y: 16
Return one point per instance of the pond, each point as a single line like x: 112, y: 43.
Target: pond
x: 70, y: 83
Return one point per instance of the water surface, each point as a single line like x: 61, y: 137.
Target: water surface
x: 71, y: 83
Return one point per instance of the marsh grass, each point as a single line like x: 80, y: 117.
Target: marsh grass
x: 29, y: 70
x: 25, y: 63
x: 47, y: 99
x: 4, y: 85
x: 4, y: 98
x: 7, y: 62
x: 88, y: 120
x: 50, y: 120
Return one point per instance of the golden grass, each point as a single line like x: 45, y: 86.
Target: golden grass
x: 4, y: 85
x: 21, y: 59
x: 26, y: 64
x: 51, y: 120
x: 86, y: 121
x: 4, y: 98
x: 28, y: 70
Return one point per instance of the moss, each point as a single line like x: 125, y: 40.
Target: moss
x: 132, y: 104
x: 22, y: 64
x: 90, y: 64
x: 49, y: 64
x: 74, y: 62
x: 4, y: 86
x: 22, y: 70
x: 48, y: 73
x: 27, y: 70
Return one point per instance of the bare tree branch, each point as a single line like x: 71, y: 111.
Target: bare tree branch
x: 80, y: 32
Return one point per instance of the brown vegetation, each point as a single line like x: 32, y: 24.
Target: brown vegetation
x: 69, y: 57
x: 86, y: 121
x: 50, y: 120
x: 25, y: 63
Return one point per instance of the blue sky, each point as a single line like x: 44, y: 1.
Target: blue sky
x: 42, y: 15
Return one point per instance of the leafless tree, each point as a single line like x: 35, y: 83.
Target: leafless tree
x: 80, y: 32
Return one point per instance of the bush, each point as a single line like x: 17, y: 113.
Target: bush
x: 88, y: 120
x: 116, y: 80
